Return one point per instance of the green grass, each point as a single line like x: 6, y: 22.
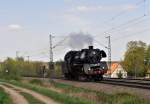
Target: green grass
x: 121, y: 98
x: 60, y: 97
x: 69, y: 88
x: 36, y: 81
x: 118, y: 98
x: 4, y: 97
x: 31, y: 99
x: 101, y: 97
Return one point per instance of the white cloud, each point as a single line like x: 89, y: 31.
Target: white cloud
x: 15, y: 27
x: 100, y: 8
x: 129, y: 7
x: 86, y: 8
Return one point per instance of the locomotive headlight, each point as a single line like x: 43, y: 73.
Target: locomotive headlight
x: 89, y: 69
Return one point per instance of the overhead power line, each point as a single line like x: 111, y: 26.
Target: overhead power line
x: 100, y: 43
x: 122, y: 12
x: 60, y: 42
x: 139, y: 21
x: 129, y: 21
x: 131, y: 34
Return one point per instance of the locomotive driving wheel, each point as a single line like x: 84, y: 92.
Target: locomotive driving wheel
x: 98, y: 77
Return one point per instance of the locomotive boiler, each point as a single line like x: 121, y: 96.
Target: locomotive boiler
x: 85, y: 64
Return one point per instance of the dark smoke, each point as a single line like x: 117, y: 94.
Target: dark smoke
x: 80, y: 40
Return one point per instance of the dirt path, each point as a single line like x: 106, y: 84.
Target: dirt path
x: 42, y: 98
x: 15, y: 96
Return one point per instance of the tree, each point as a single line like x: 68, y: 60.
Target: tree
x: 119, y: 75
x: 16, y: 68
x: 58, y: 68
x: 134, y: 58
x: 147, y: 57
x: 20, y: 59
x: 10, y: 69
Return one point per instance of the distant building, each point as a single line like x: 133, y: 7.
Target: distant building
x: 116, y: 68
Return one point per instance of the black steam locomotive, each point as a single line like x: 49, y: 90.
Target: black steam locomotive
x: 85, y: 64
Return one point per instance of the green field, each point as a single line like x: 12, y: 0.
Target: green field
x: 102, y: 97
x: 75, y: 95
x: 4, y: 97
x: 31, y: 99
x: 58, y: 97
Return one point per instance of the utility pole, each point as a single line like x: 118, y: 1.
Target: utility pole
x: 51, y: 65
x: 51, y: 48
x: 28, y: 58
x: 17, y: 52
x: 109, y: 52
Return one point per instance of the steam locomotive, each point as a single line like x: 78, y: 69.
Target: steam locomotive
x: 85, y: 64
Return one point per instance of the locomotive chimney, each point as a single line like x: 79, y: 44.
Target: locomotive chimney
x: 90, y: 47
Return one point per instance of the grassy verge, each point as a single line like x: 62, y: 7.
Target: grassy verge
x: 70, y: 88
x: 31, y: 99
x: 67, y: 97
x: 36, y: 81
x: 101, y: 97
x: 97, y: 96
x: 4, y: 97
x: 60, y: 97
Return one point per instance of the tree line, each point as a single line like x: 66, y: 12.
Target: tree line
x: 18, y: 67
x: 137, y: 58
x: 136, y: 62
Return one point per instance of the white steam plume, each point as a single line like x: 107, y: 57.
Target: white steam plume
x: 79, y: 40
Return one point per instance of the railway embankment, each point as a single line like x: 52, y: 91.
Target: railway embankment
x: 95, y: 92
x: 108, y: 88
x: 60, y: 91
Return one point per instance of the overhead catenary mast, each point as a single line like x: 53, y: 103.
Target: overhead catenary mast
x: 109, y: 52
x: 51, y: 65
x: 51, y: 48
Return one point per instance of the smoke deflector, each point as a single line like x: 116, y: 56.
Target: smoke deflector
x: 103, y: 54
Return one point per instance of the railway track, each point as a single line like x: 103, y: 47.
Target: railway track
x: 135, y: 83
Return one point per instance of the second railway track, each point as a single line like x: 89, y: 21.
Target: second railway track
x: 144, y: 84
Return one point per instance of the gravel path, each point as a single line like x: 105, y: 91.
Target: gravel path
x: 42, y: 98
x: 15, y: 96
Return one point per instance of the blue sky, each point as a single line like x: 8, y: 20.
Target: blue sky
x: 25, y: 25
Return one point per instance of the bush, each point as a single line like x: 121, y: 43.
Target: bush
x: 10, y: 69
x: 4, y: 98
x: 119, y: 75
x: 36, y: 81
